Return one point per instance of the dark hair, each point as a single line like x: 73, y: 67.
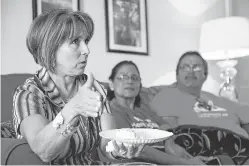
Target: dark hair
x: 192, y: 53
x: 110, y: 93
x: 50, y: 30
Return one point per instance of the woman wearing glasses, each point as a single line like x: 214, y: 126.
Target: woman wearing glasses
x: 130, y: 112
x: 205, y: 124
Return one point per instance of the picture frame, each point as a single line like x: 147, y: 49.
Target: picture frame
x: 40, y: 6
x: 126, y: 26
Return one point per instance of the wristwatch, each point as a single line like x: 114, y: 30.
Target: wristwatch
x: 58, y: 121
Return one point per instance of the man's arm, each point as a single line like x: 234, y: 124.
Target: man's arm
x: 150, y: 154
x: 246, y: 127
x: 242, y: 111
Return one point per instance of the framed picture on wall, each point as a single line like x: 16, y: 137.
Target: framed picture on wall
x: 126, y: 25
x: 40, y: 6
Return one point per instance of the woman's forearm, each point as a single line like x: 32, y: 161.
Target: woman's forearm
x: 46, y: 141
x: 246, y: 128
x: 49, y: 144
x: 153, y: 155
x: 107, y: 122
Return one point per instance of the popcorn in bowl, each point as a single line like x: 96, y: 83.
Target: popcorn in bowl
x: 126, y: 134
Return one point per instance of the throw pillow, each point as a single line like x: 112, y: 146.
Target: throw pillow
x: 7, y: 130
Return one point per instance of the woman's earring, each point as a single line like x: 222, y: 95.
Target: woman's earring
x: 53, y: 65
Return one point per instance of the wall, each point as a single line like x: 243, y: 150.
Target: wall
x: 0, y: 33
x: 170, y: 34
x: 241, y: 9
x: 16, y: 18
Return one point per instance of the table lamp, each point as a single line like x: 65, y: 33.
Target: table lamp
x: 225, y: 39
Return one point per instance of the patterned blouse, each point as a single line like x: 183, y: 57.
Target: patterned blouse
x: 39, y: 95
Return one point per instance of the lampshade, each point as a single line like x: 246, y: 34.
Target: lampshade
x: 225, y: 38
x: 192, y: 7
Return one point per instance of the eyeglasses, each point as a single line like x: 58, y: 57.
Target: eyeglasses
x: 195, y: 68
x: 124, y: 77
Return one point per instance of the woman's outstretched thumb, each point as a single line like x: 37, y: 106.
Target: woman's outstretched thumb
x: 89, y: 81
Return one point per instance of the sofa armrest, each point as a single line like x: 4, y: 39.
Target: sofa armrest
x: 18, y: 152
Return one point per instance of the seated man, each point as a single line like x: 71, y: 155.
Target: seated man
x: 204, y: 124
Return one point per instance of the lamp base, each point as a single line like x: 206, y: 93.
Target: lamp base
x: 228, y: 72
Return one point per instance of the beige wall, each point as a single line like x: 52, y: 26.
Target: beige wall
x: 170, y: 34
x: 241, y: 9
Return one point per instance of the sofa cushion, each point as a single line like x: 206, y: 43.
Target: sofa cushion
x: 148, y: 93
x: 7, y: 130
x: 9, y: 83
x: 18, y: 152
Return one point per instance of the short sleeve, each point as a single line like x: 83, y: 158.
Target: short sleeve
x: 243, y: 113
x: 27, y: 100
x: 239, y: 109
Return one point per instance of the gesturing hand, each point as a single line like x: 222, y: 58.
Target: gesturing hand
x: 86, y: 102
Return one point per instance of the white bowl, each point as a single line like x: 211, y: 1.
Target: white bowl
x: 136, y: 135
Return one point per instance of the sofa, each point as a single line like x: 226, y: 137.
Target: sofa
x: 17, y: 151
x: 13, y: 151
